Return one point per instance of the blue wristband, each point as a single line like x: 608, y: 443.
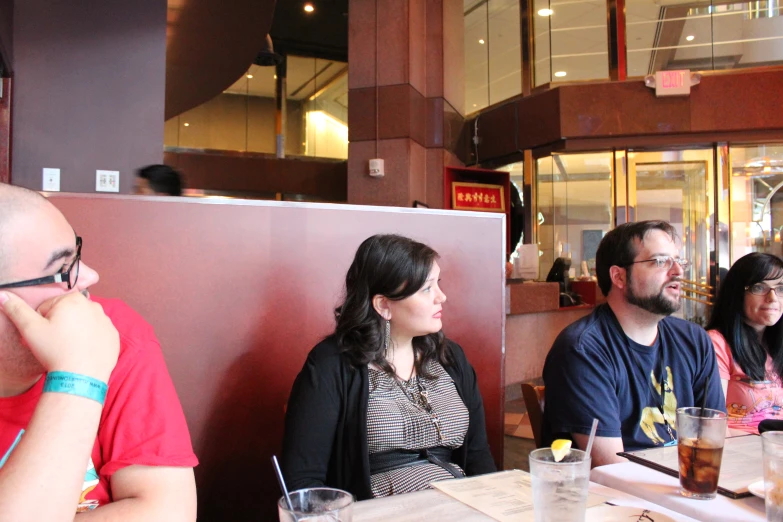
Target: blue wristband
x: 75, y: 384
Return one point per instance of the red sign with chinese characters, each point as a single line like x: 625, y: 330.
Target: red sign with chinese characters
x: 477, y: 196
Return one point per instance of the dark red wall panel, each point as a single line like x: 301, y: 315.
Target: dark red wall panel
x: 240, y: 291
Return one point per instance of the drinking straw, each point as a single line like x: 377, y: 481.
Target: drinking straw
x: 592, y: 438
x: 701, y: 425
x: 281, y: 481
x: 704, y: 400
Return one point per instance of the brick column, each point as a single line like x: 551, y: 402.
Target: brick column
x: 405, y: 64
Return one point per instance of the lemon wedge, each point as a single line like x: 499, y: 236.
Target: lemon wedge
x: 561, y: 448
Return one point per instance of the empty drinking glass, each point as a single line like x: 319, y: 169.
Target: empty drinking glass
x: 317, y: 505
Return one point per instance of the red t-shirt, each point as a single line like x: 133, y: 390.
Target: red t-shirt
x: 142, y: 421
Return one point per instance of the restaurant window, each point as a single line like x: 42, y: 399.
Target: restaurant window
x: 574, y: 202
x: 756, y: 199
x: 493, y: 55
x: 318, y: 91
x: 677, y: 186
x: 242, y: 118
x: 702, y: 35
x: 570, y: 40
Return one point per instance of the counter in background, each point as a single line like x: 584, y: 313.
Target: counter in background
x: 534, y: 319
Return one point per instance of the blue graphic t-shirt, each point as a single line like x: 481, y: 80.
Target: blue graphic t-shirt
x: 595, y: 371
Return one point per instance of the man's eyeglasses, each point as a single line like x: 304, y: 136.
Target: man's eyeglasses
x: 69, y: 276
x: 665, y: 262
x: 762, y: 289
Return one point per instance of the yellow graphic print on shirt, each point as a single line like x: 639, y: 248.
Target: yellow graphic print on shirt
x: 651, y: 415
x: 90, y: 482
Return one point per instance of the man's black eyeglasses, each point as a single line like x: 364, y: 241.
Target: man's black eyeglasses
x: 69, y: 276
x: 665, y: 262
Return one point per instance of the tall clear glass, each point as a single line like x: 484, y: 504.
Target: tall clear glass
x: 559, y: 488
x: 772, y: 449
x: 700, y: 434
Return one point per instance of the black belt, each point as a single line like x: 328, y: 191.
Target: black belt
x: 396, y: 459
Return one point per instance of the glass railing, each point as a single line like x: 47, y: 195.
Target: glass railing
x: 702, y: 36
x: 570, y: 41
x: 493, y: 55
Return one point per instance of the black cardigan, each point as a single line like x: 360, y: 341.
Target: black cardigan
x: 325, y: 442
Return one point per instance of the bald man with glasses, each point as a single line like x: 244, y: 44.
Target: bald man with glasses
x: 90, y: 423
x: 629, y: 364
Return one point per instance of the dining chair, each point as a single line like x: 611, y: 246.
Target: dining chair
x: 534, y: 402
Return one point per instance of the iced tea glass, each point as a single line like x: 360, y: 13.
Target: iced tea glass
x: 772, y: 449
x: 700, y: 435
x: 317, y: 505
x: 559, y: 488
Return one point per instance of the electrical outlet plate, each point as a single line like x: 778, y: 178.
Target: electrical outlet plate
x: 107, y: 180
x: 51, y: 180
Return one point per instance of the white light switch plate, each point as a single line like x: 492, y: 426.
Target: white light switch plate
x: 51, y: 180
x: 107, y: 180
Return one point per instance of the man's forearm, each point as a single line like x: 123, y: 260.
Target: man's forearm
x: 43, y: 476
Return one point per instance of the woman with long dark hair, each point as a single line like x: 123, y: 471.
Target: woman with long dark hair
x: 386, y: 404
x: 747, y: 333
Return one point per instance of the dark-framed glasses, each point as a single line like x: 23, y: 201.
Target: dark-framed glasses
x: 762, y: 289
x: 69, y: 275
x: 665, y: 262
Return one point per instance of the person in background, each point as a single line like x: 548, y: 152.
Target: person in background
x: 629, y: 364
x: 747, y: 333
x: 90, y: 422
x: 160, y: 180
x: 386, y: 404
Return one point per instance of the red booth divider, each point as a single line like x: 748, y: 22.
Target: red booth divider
x: 239, y: 291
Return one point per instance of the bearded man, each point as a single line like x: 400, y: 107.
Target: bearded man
x: 629, y: 364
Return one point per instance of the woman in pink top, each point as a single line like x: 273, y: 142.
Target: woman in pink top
x: 747, y: 333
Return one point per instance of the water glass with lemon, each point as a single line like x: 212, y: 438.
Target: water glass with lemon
x: 560, y: 477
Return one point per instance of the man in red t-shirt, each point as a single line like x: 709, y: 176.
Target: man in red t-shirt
x: 90, y: 422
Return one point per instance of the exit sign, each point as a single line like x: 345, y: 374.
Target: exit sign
x: 673, y: 83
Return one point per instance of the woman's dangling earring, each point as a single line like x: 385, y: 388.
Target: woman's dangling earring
x: 387, y: 339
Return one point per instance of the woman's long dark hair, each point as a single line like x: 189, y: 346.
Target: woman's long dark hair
x: 728, y: 316
x: 395, y: 267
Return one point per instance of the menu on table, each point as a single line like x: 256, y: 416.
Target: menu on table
x: 741, y: 465
x: 506, y: 496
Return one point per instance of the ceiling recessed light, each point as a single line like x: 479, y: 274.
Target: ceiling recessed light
x: 690, y: 37
x: 481, y: 41
x: 545, y: 12
x: 560, y: 74
x: 308, y: 7
x: 249, y: 75
x: 186, y: 124
x: 474, y: 104
x: 275, y: 76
